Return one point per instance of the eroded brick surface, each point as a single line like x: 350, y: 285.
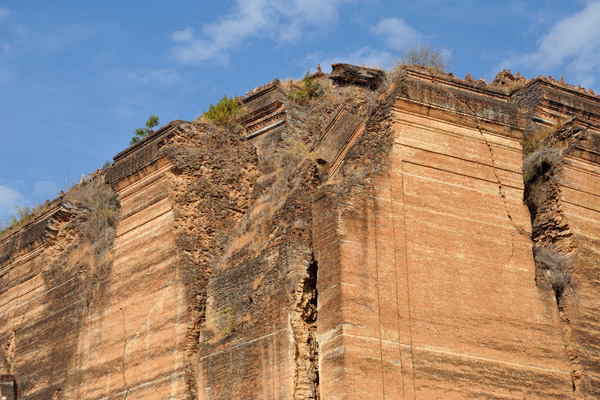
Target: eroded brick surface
x: 371, y: 243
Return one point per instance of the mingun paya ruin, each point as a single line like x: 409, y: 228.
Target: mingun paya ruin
x: 405, y: 235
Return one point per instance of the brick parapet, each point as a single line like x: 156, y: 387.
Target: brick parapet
x: 34, y: 231
x: 141, y: 154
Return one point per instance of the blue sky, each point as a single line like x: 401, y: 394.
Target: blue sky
x: 77, y: 77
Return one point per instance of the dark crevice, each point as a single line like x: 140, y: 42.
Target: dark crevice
x: 9, y: 389
x: 304, y: 326
x: 123, y: 357
x: 197, y: 317
x: 553, y: 247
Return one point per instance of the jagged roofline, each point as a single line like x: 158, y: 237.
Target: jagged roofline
x: 50, y: 209
x: 147, y: 139
x: 482, y: 86
x: 406, y: 71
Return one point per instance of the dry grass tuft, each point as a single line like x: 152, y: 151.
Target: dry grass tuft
x: 92, y: 258
x: 542, y: 136
x: 423, y: 56
x: 539, y: 162
x: 306, y: 89
x: 555, y: 267
x: 513, y: 86
x: 22, y: 216
x: 257, y: 226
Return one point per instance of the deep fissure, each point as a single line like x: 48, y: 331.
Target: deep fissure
x: 550, y: 236
x: 306, y: 349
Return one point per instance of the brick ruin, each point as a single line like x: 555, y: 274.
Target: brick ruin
x: 371, y: 243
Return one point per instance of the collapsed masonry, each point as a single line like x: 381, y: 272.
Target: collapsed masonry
x: 370, y: 243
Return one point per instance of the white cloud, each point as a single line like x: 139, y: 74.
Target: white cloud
x: 183, y: 36
x: 573, y: 43
x: 396, y: 33
x: 9, y: 198
x: 283, y: 21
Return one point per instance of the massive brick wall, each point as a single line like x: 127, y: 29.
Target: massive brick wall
x: 128, y: 340
x: 393, y: 261
x: 580, y: 204
x: 133, y: 345
x: 40, y: 314
x: 571, y: 223
x: 426, y: 279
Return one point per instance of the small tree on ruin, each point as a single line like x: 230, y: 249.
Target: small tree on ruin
x: 141, y: 133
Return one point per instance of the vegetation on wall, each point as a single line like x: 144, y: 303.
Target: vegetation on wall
x: 92, y: 257
x: 555, y: 267
x: 141, y: 133
x: 541, y: 151
x: 22, y: 216
x: 225, y: 113
x: 306, y: 89
x: 542, y: 136
x: 423, y: 56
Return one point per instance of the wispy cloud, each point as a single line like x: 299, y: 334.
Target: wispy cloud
x: 573, y: 43
x: 282, y: 21
x: 396, y: 33
x: 8, y: 45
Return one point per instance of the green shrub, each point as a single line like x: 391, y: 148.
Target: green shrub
x: 225, y: 112
x: 308, y: 89
x: 141, y: 133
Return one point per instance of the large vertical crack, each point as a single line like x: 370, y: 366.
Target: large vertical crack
x: 10, y: 351
x: 501, y: 191
x: 306, y: 347
x: 549, y: 236
x: 211, y: 187
x: 196, y: 319
x: 123, y: 366
x: 553, y: 247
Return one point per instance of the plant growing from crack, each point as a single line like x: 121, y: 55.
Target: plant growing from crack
x: 141, y: 133
x: 555, y: 267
